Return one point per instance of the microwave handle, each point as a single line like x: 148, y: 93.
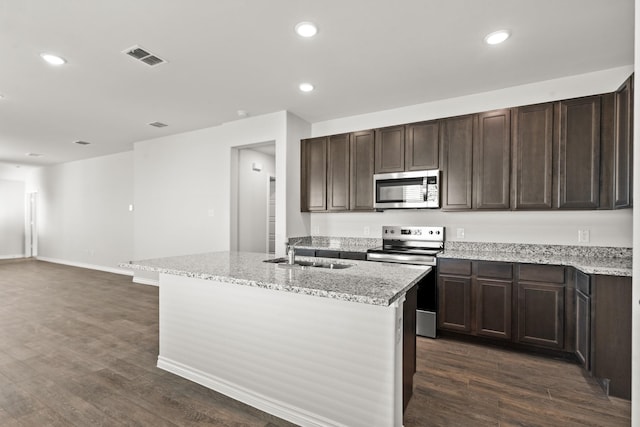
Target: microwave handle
x: 424, y: 189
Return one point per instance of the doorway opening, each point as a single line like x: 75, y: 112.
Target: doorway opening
x: 254, y: 219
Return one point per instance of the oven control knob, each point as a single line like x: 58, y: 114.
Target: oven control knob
x: 438, y: 232
x: 430, y: 231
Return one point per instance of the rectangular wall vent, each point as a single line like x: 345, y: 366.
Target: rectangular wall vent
x: 143, y: 55
x: 158, y: 124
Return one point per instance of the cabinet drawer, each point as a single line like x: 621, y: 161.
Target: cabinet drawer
x: 305, y: 252
x: 325, y: 253
x: 583, y: 283
x: 461, y: 267
x: 353, y: 255
x: 542, y: 273
x: 494, y: 270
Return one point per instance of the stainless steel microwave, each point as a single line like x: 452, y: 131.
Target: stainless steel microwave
x: 406, y: 190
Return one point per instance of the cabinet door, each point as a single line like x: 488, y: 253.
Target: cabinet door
x: 583, y: 328
x: 611, y: 305
x: 532, y: 152
x: 421, y: 148
x: 492, y: 160
x: 541, y: 314
x: 578, y: 127
x: 454, y: 303
x: 493, y: 308
x: 390, y: 149
x: 456, y: 146
x: 362, y: 164
x: 623, y: 152
x: 314, y: 174
x: 338, y: 173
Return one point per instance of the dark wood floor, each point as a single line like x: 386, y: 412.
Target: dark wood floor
x: 78, y: 348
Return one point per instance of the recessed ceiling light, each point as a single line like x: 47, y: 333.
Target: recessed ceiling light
x: 306, y: 87
x: 242, y: 113
x: 497, y: 37
x: 306, y: 29
x: 53, y: 59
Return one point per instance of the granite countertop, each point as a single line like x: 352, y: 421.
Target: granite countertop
x: 345, y: 244
x: 365, y: 282
x: 612, y: 266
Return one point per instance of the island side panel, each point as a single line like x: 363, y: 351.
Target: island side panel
x: 311, y: 360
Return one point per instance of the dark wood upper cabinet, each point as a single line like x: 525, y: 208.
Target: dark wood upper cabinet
x: 532, y: 153
x: 623, y: 152
x: 362, y: 166
x: 578, y: 128
x: 338, y: 173
x: 492, y: 160
x: 313, y: 174
x: 421, y: 146
x: 456, y: 148
x: 390, y: 149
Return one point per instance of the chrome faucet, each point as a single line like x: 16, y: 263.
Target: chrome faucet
x: 291, y: 251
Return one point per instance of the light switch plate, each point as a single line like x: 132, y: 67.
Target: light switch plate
x: 460, y: 233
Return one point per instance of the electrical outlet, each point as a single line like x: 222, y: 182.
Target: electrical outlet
x: 460, y: 233
x: 366, y: 231
x: 583, y: 235
x: 316, y: 230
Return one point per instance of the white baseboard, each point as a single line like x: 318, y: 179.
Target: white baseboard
x: 279, y: 409
x: 122, y: 271
x: 16, y: 256
x: 146, y: 281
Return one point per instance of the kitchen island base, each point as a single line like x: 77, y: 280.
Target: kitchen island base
x: 310, y: 360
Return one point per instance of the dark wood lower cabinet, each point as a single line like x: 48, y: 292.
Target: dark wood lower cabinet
x: 583, y: 319
x: 549, y: 309
x: 409, y: 344
x: 493, y: 308
x: 454, y: 303
x: 476, y: 299
x: 583, y: 329
x: 541, y: 314
x: 611, y: 311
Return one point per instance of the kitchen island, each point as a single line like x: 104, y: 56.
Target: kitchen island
x: 315, y: 346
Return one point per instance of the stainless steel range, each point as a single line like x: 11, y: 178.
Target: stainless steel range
x: 418, y: 246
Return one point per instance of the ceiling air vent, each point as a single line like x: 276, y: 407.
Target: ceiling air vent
x: 143, y: 55
x: 81, y: 142
x: 158, y: 124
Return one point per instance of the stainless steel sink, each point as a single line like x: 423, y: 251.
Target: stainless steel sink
x: 282, y: 262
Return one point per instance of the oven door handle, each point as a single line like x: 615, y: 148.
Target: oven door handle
x: 405, y: 259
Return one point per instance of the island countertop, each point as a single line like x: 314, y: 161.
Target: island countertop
x: 365, y: 282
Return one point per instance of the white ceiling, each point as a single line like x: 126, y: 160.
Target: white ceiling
x: 226, y: 55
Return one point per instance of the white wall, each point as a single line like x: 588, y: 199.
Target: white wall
x: 183, y: 186
x: 298, y: 224
x: 253, y: 197
x: 607, y: 228
x: 12, y: 218
x: 15, y: 172
x: 83, y: 211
